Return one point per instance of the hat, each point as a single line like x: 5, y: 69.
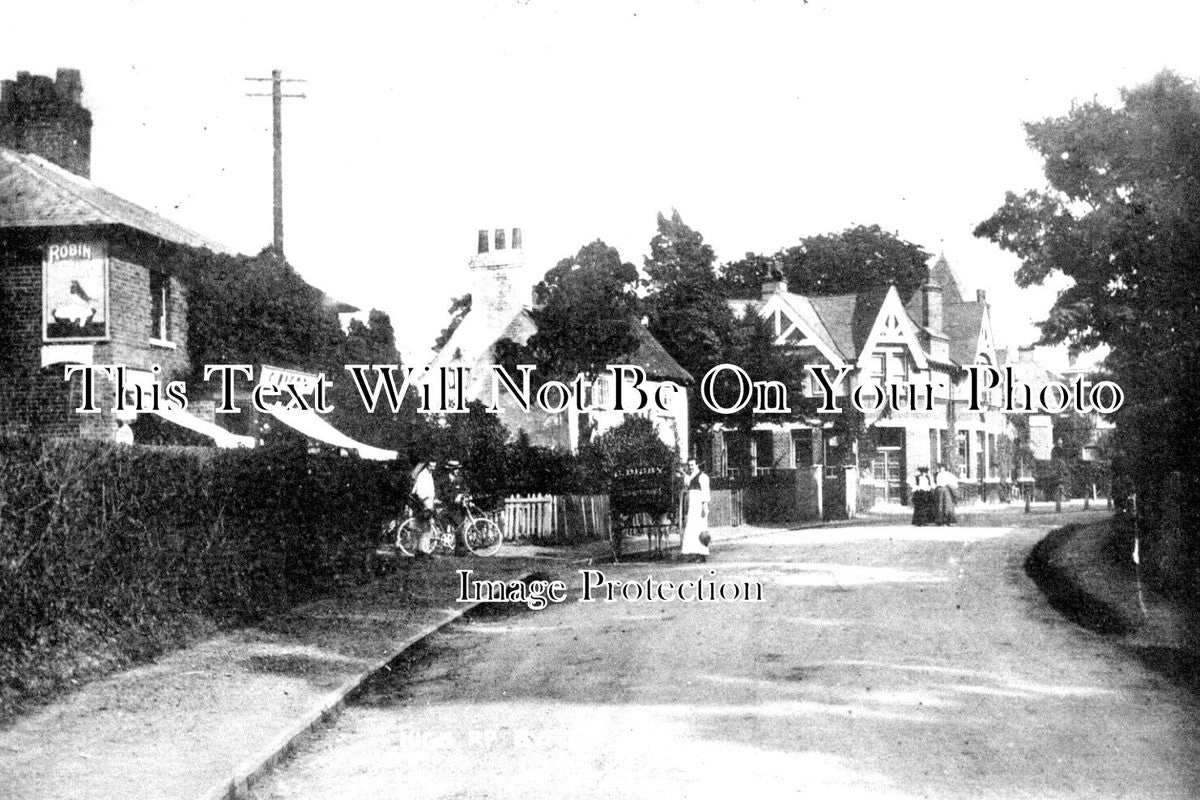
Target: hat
x: 453, y: 465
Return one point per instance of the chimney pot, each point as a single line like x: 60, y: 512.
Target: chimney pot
x: 483, y: 241
x: 69, y: 85
x: 981, y: 295
x: 516, y: 239
x: 774, y: 286
x: 499, y: 238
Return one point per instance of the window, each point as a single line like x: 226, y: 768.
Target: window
x: 160, y: 307
x: 802, y: 448
x: 764, y: 452
x: 878, y: 369
x: 889, y: 366
x: 964, y: 454
x: 897, y: 367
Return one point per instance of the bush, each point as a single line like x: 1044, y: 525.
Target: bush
x: 97, y: 538
x: 542, y: 470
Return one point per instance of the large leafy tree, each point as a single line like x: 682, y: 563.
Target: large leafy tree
x: 686, y: 306
x: 586, y: 309
x: 836, y: 263
x: 255, y: 310
x: 1120, y: 217
x: 371, y: 343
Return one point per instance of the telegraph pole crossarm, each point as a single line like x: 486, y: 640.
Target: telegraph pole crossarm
x: 277, y: 80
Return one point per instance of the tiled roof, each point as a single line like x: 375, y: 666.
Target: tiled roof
x: 37, y: 194
x: 866, y: 310
x: 654, y: 358
x: 843, y: 320
x: 961, y: 323
x: 942, y: 274
x: 804, y: 308
x: 836, y: 315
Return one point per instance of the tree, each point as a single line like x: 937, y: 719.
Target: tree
x: 686, y: 308
x: 586, y: 309
x: 477, y: 439
x: 255, y: 310
x: 837, y: 263
x: 372, y: 343
x: 743, y: 279
x: 459, y: 308
x: 1120, y: 217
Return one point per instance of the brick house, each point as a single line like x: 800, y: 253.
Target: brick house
x: 86, y: 277
x: 840, y: 463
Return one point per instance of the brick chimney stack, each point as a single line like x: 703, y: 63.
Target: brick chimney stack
x: 46, y: 117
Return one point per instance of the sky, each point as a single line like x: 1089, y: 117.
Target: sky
x: 761, y: 122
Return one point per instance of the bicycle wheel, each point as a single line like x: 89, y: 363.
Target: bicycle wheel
x: 482, y: 536
x: 407, y: 533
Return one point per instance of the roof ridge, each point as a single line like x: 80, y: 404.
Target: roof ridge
x: 109, y: 207
x: 22, y: 162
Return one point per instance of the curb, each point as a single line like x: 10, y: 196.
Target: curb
x: 1066, y: 593
x: 249, y: 771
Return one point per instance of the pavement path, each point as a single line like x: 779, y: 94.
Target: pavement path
x: 883, y: 662
x: 196, y: 721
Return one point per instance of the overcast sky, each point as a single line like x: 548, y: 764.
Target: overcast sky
x: 761, y: 122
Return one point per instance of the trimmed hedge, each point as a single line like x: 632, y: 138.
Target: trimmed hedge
x: 97, y: 537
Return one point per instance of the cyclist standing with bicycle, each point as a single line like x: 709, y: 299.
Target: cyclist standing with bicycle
x: 423, y: 501
x: 454, y: 504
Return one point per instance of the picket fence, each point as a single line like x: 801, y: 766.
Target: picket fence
x: 585, y: 517
x: 556, y: 518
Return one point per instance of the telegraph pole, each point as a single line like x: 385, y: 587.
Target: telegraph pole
x: 277, y: 80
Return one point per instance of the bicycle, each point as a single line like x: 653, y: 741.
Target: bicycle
x: 481, y: 535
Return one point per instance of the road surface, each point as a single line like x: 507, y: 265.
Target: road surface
x: 892, y: 662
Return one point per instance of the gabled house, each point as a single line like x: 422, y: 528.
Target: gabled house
x: 501, y: 292
x: 920, y: 346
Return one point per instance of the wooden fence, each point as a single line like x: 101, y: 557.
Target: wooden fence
x: 580, y: 518
x: 556, y: 518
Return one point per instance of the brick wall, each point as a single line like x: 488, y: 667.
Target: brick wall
x: 40, y: 400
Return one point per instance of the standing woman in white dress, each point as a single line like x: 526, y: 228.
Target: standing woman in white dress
x: 695, y: 519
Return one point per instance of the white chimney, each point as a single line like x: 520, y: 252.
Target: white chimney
x: 498, y: 277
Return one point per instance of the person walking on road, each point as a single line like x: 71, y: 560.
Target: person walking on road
x: 944, y: 494
x: 694, y: 546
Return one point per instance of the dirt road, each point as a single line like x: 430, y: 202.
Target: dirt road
x: 882, y: 662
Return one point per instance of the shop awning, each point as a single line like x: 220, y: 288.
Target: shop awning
x: 220, y: 436
x: 314, y: 426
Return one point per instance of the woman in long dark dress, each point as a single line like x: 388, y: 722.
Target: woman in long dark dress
x: 922, y: 497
